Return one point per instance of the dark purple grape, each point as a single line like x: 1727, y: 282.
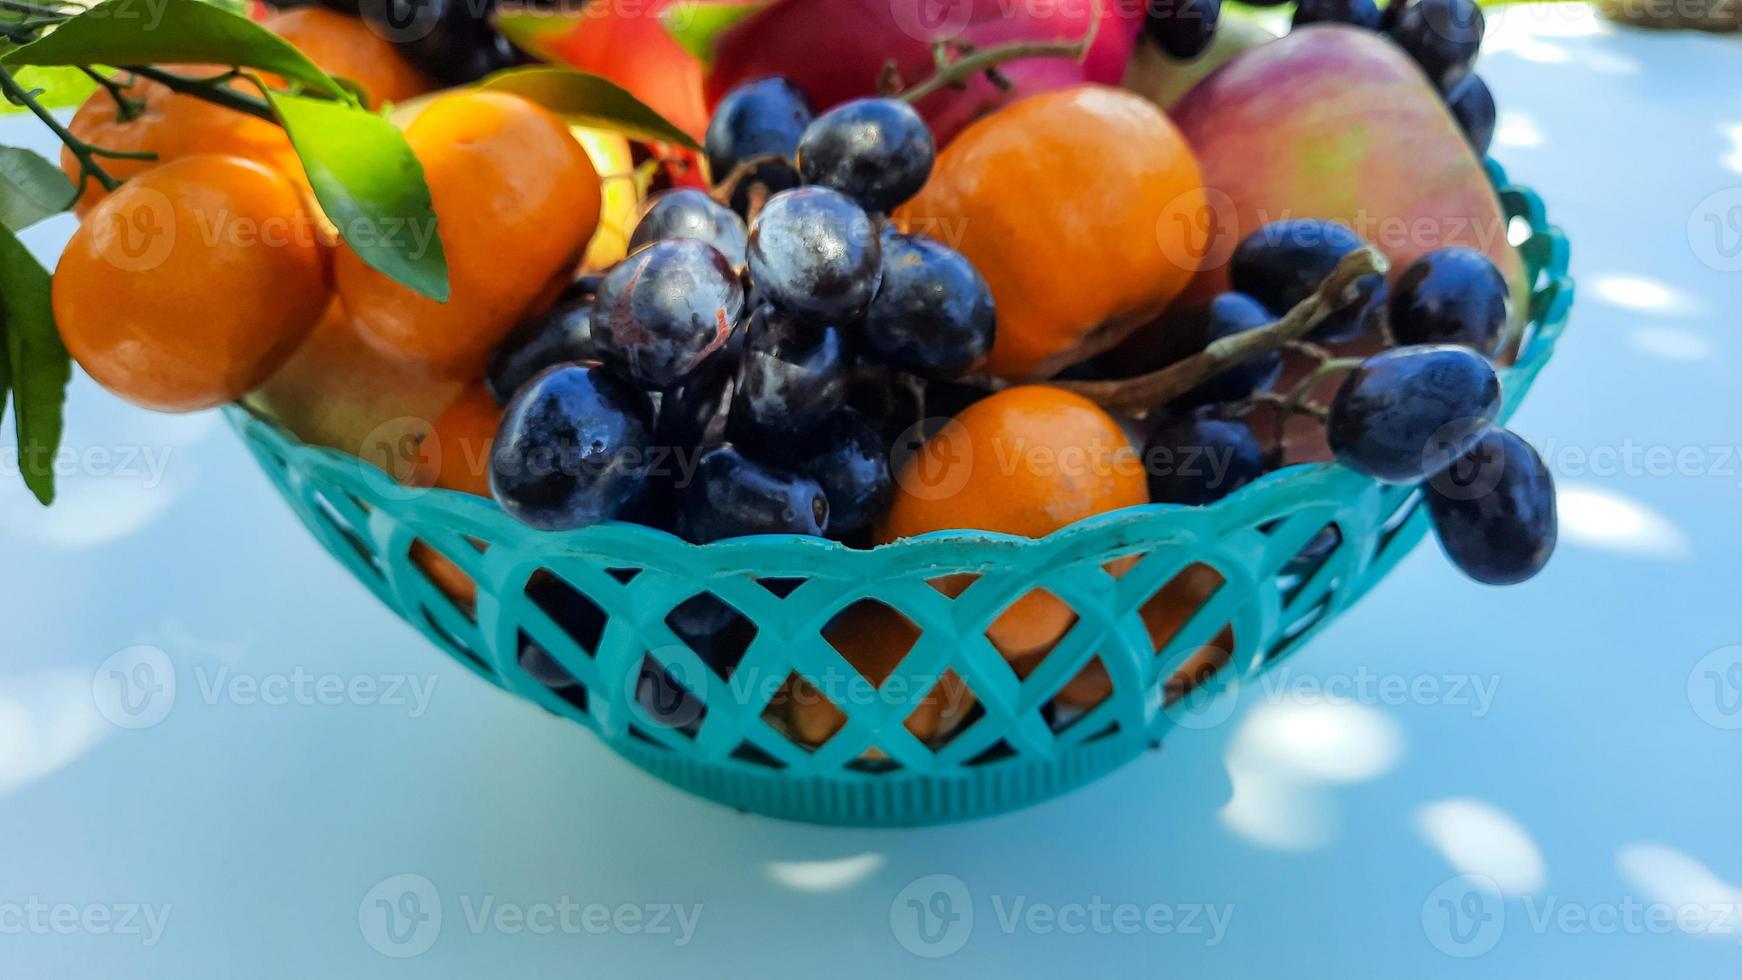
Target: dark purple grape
x: 1452, y: 296
x: 694, y: 413
x: 690, y: 213
x: 1227, y: 315
x: 933, y: 313
x: 563, y: 335
x: 732, y: 495
x: 1283, y: 263
x: 761, y: 118
x: 661, y: 692
x: 1360, y: 13
x: 663, y: 310
x: 572, y: 449
x: 1182, y: 28
x: 1472, y: 105
x: 1198, y: 459
x: 1443, y: 36
x: 760, y: 183
x: 1494, y: 510
x: 1406, y: 413
x: 847, y: 457
x: 815, y: 253
x: 878, y: 152
x: 450, y: 40
x: 792, y: 376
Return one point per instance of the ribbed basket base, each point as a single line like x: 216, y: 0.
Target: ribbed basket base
x: 888, y: 801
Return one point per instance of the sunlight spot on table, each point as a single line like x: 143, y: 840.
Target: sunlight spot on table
x: 1334, y: 743
x: 1733, y: 156
x: 1671, y: 343
x: 1608, y: 521
x: 48, y: 720
x: 825, y: 876
x: 1478, y: 838
x: 1638, y: 293
x: 89, y: 512
x: 1545, y: 20
x: 1518, y: 130
x: 1527, y: 46
x: 1286, y: 758
x: 1703, y: 903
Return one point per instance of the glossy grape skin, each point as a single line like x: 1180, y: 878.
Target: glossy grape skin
x: 848, y: 459
x: 450, y: 40
x: 1472, y: 105
x: 878, y: 152
x: 690, y: 213
x: 1452, y: 296
x: 792, y: 376
x: 732, y: 495
x: 1182, y: 28
x: 663, y: 310
x: 1494, y: 510
x: 1227, y: 315
x: 1283, y: 263
x: 933, y: 314
x: 815, y: 253
x: 572, y: 449
x: 563, y: 335
x: 1197, y: 459
x: 761, y: 118
x: 1443, y: 36
x: 760, y: 183
x: 694, y: 413
x: 1360, y: 13
x: 665, y: 698
x: 1406, y: 413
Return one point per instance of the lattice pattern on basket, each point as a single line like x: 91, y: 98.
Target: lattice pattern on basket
x: 582, y: 622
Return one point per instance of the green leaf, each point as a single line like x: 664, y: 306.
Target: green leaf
x: 371, y: 186
x: 56, y: 88
x: 5, y: 371
x: 145, y: 32
x: 40, y: 367
x: 697, y: 26
x: 589, y: 100
x: 31, y: 188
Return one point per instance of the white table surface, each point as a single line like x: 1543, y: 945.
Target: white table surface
x: 1574, y: 745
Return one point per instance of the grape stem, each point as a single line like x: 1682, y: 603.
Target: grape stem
x: 972, y: 61
x: 756, y: 191
x: 1137, y: 396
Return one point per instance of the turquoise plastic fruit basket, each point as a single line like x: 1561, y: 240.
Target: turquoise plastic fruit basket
x: 1015, y: 747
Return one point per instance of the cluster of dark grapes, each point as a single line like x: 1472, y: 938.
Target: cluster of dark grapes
x: 452, y: 41
x: 702, y: 384
x: 1443, y: 36
x: 1421, y: 412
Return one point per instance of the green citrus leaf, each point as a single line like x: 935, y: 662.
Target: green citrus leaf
x: 39, y: 365
x: 56, y: 88
x: 697, y: 26
x: 135, y: 32
x: 589, y: 100
x: 31, y: 188
x: 371, y: 187
x: 5, y: 371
